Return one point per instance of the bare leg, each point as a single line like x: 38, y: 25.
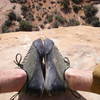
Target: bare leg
x: 79, y: 79
x: 12, y: 80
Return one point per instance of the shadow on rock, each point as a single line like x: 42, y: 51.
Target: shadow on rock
x: 65, y: 96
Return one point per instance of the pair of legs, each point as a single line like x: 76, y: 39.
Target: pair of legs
x: 13, y: 80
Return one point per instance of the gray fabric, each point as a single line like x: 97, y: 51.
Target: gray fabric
x: 47, y: 78
x: 32, y: 66
x: 55, y: 68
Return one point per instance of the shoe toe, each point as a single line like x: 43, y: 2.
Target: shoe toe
x: 39, y: 46
x: 48, y: 44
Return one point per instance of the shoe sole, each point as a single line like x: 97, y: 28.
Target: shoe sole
x: 54, y: 82
x: 35, y: 85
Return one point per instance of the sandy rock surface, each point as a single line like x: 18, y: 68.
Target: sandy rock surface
x: 81, y: 44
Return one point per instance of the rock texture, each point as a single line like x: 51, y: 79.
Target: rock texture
x: 81, y: 44
x: 5, y: 8
x: 46, y: 14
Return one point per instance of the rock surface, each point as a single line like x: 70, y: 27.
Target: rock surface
x: 45, y: 14
x: 5, y: 8
x: 81, y: 44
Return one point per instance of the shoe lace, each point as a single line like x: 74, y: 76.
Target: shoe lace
x: 14, y: 96
x: 18, y: 59
x: 74, y: 93
x: 67, y: 61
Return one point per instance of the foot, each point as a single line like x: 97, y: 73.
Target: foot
x: 55, y: 68
x: 32, y: 66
